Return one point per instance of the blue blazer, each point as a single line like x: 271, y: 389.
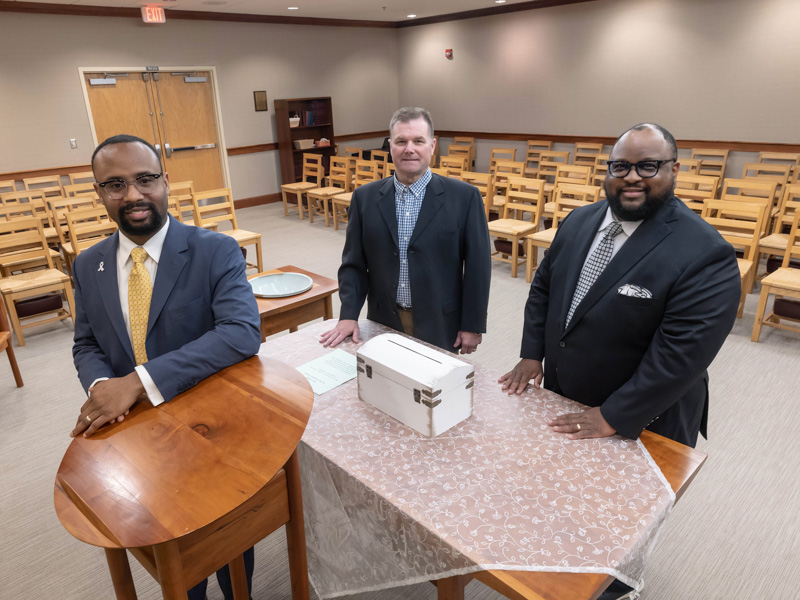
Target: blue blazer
x: 643, y: 360
x: 203, y: 314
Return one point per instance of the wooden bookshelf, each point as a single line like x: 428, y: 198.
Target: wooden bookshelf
x: 316, y: 121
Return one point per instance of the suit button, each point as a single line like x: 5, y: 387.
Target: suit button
x: 411, y: 252
x: 562, y: 344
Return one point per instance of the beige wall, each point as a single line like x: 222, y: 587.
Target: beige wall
x: 705, y: 69
x: 42, y: 104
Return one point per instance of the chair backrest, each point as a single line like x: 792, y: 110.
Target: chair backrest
x: 351, y: 151
x: 503, y: 169
x: 580, y: 191
x: 463, y: 142
x: 600, y: 169
x: 7, y: 185
x: 453, y: 165
x: 460, y: 151
x: 501, y: 154
x: 49, y: 184
x: 695, y: 189
x: 182, y: 192
x: 312, y: 168
x: 389, y: 169
x: 59, y: 207
x: 340, y: 175
x: 778, y: 173
x: 790, y: 204
x: 439, y: 171
x: 689, y: 165
x: 174, y: 208
x: 82, y: 177
x: 712, y: 161
x: 549, y: 160
x: 21, y: 196
x: 793, y: 244
x: 751, y: 190
x: 87, y: 226
x: 573, y: 174
x: 37, y: 208
x: 739, y: 223
x: 213, y: 213
x: 786, y: 158
x: 586, y: 153
x: 566, y: 200
x: 22, y: 242
x: 482, y: 181
x: 533, y: 153
x: 366, y: 171
x: 79, y: 189
x: 525, y: 196
x: 382, y: 157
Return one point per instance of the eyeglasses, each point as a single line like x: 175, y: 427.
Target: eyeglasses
x: 645, y: 168
x: 117, y: 189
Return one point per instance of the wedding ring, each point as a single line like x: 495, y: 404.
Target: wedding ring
x: 88, y: 418
x: 578, y: 425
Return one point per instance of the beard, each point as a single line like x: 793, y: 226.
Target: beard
x: 141, y: 228
x: 651, y: 205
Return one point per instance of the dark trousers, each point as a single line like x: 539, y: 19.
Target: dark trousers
x: 198, y: 592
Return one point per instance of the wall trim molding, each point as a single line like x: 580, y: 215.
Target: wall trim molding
x: 20, y: 175
x: 273, y: 146
x: 257, y: 200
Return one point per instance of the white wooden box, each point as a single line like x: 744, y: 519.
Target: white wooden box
x: 428, y: 390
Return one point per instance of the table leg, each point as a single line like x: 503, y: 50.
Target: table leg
x: 120, y: 574
x: 170, y: 570
x: 238, y: 578
x: 328, y: 308
x: 295, y: 531
x: 451, y: 588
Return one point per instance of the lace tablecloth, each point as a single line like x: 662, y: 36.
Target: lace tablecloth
x: 386, y: 506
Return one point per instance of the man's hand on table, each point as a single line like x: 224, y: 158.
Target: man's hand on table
x: 468, y: 341
x: 344, y: 329
x: 108, y: 401
x: 583, y: 425
x: 516, y: 380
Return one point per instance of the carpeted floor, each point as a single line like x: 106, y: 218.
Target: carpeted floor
x: 734, y: 535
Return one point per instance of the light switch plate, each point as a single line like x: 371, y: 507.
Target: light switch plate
x: 73, y: 143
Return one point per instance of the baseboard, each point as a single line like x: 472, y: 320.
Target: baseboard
x: 257, y: 200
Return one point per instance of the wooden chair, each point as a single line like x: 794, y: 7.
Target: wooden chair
x: 784, y: 158
x: 461, y: 142
x: 712, y: 161
x: 7, y: 185
x: 441, y: 172
x: 382, y: 158
x: 566, y: 200
x: 769, y: 172
x: 29, y: 246
x: 453, y: 165
x: 739, y: 223
x: 366, y: 171
x: 59, y: 208
x: 525, y: 198
x: 390, y: 169
x: 340, y: 174
x: 504, y: 154
x: 689, y: 165
x: 752, y: 190
x: 50, y: 185
x: 566, y: 173
x: 783, y: 284
x: 460, y: 151
x: 533, y: 153
x: 313, y: 174
x: 482, y: 181
x: 79, y: 189
x: 775, y: 244
x: 549, y: 162
x: 181, y: 192
x: 320, y: 200
x: 81, y: 177
x: 223, y: 212
x: 586, y: 153
x: 503, y: 169
x: 600, y: 170
x: 5, y: 344
x: 694, y: 189
x: 21, y: 196
x: 349, y: 151
x: 20, y: 215
x: 85, y: 228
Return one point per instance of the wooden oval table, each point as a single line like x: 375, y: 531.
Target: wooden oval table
x: 189, y: 485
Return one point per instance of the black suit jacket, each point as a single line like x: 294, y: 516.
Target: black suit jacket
x: 643, y: 360
x: 449, y: 260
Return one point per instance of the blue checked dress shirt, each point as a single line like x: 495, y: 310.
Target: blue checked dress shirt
x: 407, y: 202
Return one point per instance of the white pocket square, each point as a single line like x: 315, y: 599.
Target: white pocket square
x: 635, y: 291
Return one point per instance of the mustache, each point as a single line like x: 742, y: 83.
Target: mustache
x: 139, y: 206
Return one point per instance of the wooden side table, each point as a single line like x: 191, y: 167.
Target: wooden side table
x: 189, y: 485
x: 280, y: 314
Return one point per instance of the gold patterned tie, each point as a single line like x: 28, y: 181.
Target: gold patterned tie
x: 139, y: 292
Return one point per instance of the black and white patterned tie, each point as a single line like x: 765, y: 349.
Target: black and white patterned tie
x: 598, y: 261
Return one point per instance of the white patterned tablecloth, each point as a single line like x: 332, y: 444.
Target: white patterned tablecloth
x: 386, y: 506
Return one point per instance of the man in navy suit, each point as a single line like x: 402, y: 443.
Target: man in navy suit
x: 202, y: 312
x: 417, y: 249
x: 635, y: 343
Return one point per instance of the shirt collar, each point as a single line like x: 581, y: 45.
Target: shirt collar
x: 628, y: 227
x: 417, y: 188
x: 153, y: 246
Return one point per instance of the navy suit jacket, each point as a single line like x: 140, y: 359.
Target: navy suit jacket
x: 642, y: 360
x: 449, y: 261
x: 203, y: 314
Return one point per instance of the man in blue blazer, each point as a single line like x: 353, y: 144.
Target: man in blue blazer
x: 636, y: 342
x: 202, y: 312
x: 417, y: 249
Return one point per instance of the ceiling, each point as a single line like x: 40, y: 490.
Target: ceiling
x: 366, y: 10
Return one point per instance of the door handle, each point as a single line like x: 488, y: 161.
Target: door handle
x: 167, y: 149
x: 158, y: 149
x: 198, y: 147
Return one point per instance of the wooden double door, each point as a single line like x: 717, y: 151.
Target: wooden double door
x: 175, y: 111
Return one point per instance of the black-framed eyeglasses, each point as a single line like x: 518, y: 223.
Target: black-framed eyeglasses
x: 644, y: 168
x: 117, y: 189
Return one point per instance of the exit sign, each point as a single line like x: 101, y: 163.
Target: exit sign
x: 153, y: 14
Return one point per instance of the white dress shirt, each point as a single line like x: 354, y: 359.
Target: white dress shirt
x: 628, y: 227
x: 153, y: 247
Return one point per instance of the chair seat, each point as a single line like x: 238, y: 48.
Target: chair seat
x: 744, y: 266
x: 775, y: 241
x: 299, y: 186
x: 549, y: 207
x: 784, y: 277
x: 343, y: 197
x: 548, y: 235
x: 8, y: 261
x: 31, y: 280
x: 510, y: 227
x: 329, y: 192
x: 242, y: 235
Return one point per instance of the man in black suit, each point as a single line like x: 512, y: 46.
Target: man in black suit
x: 417, y: 249
x: 632, y: 339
